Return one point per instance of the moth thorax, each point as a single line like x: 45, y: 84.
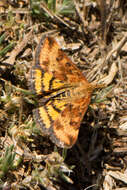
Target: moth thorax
x: 82, y: 90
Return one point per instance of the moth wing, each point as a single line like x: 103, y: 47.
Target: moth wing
x: 65, y: 128
x: 53, y: 70
x: 46, y: 114
x: 61, y: 120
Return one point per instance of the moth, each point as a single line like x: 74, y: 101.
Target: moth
x: 64, y: 93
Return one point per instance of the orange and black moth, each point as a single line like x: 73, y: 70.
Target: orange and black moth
x: 63, y: 90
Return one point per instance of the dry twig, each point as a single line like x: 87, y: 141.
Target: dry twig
x: 109, y: 78
x: 19, y: 47
x: 117, y: 48
x: 54, y: 16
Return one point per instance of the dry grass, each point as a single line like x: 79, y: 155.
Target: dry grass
x: 95, y: 38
